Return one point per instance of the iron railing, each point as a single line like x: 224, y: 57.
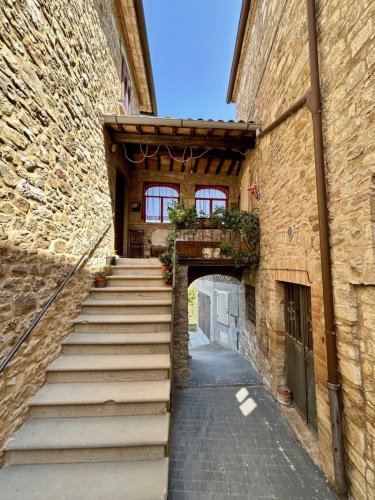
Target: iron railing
x: 40, y: 315
x: 174, y: 264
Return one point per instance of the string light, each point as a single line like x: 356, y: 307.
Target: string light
x: 184, y: 160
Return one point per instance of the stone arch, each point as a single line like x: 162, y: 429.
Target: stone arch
x: 180, y: 336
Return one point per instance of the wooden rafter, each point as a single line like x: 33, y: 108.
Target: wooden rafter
x: 208, y: 164
x: 231, y: 166
x: 159, y: 162
x: 205, y: 142
x: 239, y: 167
x: 220, y: 165
x: 170, y: 164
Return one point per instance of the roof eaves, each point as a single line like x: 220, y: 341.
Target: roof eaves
x: 238, y: 47
x: 138, y: 4
x: 179, y: 122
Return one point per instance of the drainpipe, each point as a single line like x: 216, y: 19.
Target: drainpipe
x: 333, y: 383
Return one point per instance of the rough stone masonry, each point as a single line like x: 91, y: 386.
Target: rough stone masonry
x: 60, y: 69
x: 274, y: 73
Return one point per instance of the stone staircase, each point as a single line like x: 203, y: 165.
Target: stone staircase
x: 99, y: 427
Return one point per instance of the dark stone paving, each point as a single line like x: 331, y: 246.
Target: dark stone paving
x: 231, y: 442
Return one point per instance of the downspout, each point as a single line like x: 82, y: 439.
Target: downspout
x: 333, y: 382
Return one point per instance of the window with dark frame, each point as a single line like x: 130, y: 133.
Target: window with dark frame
x: 157, y: 197
x: 125, y: 87
x: 250, y: 303
x: 208, y: 198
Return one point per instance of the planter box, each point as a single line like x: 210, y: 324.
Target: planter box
x: 195, y: 248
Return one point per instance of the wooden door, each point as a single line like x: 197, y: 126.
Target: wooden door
x: 299, y: 350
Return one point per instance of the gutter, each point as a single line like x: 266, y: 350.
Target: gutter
x: 138, y: 5
x: 333, y: 382
x: 238, y: 47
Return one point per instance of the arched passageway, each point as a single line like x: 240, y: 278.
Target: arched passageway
x: 217, y: 304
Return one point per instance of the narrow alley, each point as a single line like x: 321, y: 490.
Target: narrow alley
x: 230, y: 440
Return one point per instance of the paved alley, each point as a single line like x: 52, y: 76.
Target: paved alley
x: 229, y: 439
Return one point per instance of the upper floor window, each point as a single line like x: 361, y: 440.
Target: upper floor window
x: 125, y: 87
x: 156, y: 200
x: 208, y: 198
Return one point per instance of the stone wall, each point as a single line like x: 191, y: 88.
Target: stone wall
x: 180, y: 327
x: 59, y: 71
x: 273, y: 73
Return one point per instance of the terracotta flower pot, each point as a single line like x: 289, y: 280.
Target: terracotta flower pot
x: 164, y: 268
x: 100, y: 282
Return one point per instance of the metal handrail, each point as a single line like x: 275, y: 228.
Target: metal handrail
x: 40, y: 315
x: 174, y: 261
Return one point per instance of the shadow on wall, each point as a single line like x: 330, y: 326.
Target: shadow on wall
x: 28, y: 279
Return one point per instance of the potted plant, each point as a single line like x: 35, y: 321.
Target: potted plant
x: 168, y: 278
x: 225, y: 249
x: 183, y: 217
x: 101, y: 278
x: 110, y: 260
x: 166, y: 261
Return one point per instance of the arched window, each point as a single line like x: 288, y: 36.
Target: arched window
x: 156, y: 200
x: 207, y: 198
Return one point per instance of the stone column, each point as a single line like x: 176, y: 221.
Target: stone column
x: 180, y: 354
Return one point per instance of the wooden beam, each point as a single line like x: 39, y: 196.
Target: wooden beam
x: 219, y: 167
x: 146, y: 163
x: 205, y: 142
x: 159, y: 162
x: 208, y: 164
x: 231, y: 166
x: 170, y: 164
x: 239, y: 167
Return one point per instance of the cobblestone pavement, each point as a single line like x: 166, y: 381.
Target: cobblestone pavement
x: 231, y: 441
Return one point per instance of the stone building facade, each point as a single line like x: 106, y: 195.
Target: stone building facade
x: 273, y: 72
x: 62, y: 67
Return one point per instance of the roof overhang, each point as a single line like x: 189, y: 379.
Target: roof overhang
x: 238, y: 47
x: 214, y: 142
x: 133, y: 24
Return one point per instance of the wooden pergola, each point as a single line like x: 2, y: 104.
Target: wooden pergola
x: 166, y: 144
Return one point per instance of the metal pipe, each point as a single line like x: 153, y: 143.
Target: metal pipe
x: 40, y: 315
x: 314, y: 103
x: 290, y: 111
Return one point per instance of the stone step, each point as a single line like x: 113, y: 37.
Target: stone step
x: 119, y: 323
x: 131, y: 293
x: 136, y: 270
x: 138, y: 307
x: 135, y: 280
x: 124, y: 261
x: 101, y: 399
x: 117, y: 343
x: 138, y: 480
x: 89, y: 439
x: 109, y: 368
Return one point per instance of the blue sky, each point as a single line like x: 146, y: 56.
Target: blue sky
x: 191, y: 44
